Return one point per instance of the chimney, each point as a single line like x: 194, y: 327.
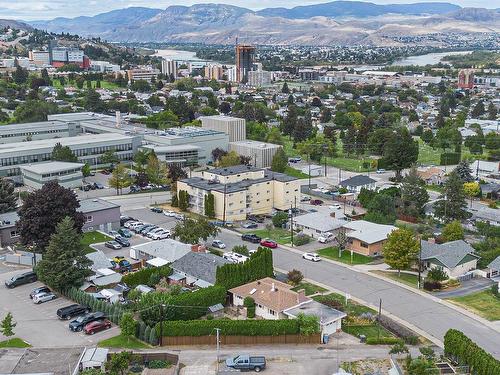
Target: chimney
x: 272, y: 287
x: 118, y: 120
x: 198, y: 248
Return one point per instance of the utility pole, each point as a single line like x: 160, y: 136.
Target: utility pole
x: 379, y: 315
x: 224, y: 208
x: 218, y: 347
x: 309, y: 162
x: 291, y: 223
x: 419, y: 262
x: 161, y: 324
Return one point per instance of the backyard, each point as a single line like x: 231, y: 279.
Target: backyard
x: 279, y: 235
x: 333, y: 253
x: 93, y: 237
x: 484, y: 303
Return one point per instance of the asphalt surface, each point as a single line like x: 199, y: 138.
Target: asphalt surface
x: 467, y: 287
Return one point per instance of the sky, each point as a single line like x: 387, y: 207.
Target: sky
x: 48, y: 9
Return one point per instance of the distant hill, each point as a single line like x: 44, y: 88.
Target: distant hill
x: 15, y: 25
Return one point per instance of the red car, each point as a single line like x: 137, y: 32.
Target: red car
x: 96, y: 326
x: 316, y: 202
x: 269, y: 243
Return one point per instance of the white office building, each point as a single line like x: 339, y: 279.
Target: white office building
x: 34, y: 131
x: 233, y: 126
x: 104, y: 66
x: 169, y: 67
x: 66, y: 174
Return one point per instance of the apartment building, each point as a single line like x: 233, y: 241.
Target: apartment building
x: 241, y: 190
x: 261, y: 153
x: 142, y: 74
x: 169, y: 67
x: 259, y: 78
x: 232, y: 126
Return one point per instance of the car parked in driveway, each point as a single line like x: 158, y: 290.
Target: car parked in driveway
x: 80, y: 322
x: 269, y: 243
x: 249, y: 225
x: 21, y: 279
x: 43, y: 297
x: 313, y: 257
x: 72, y: 311
x: 253, y: 238
x: 122, y: 241
x: 97, y: 326
x: 218, y: 244
x: 326, y: 237
x: 42, y: 289
x: 113, y: 245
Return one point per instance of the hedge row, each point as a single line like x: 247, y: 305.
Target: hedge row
x: 231, y: 327
x: 144, y: 275
x: 259, y: 265
x: 399, y: 330
x: 450, y: 158
x: 466, y: 352
x: 146, y: 333
x: 382, y: 340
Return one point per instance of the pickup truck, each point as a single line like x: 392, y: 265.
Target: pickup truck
x: 247, y: 362
x: 326, y: 237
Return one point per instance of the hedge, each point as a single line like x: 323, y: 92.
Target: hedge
x: 466, y: 352
x: 259, y: 265
x: 450, y: 158
x: 398, y: 329
x: 382, y: 340
x: 142, y: 277
x: 231, y: 327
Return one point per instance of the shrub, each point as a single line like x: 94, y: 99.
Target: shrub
x: 301, y: 239
x: 295, y: 276
x: 398, y: 329
x: 249, y: 303
x: 432, y: 285
x: 382, y: 341
x: 280, y: 219
x: 158, y: 363
x: 241, y: 249
x: 153, y: 337
x: 494, y: 290
x: 308, y: 324
x: 143, y: 276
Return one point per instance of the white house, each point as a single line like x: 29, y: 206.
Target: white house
x: 356, y: 183
x: 316, y: 224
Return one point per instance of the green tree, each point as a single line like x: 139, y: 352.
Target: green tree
x: 34, y: 110
x: 280, y: 161
x: 183, y: 199
x: 209, y: 205
x: 128, y: 325
x: 63, y: 153
x: 274, y: 136
x: 141, y: 160
x: 295, y: 276
x: 285, y: 89
x: 229, y: 160
x: 120, y: 178
x: 400, y: 151
x: 118, y: 363
x: 453, y: 231
x: 401, y: 249
x: 414, y: 195
x: 478, y: 110
x: 464, y: 172
x: 191, y: 230
x: 64, y: 264
x: 7, y: 325
x: 308, y: 324
x: 92, y: 101
x: 451, y: 204
x: 20, y: 75
x: 492, y: 111
x: 240, y: 249
x: 8, y: 199
x: 381, y: 209
x: 427, y: 136
x: 86, y: 170
x: 110, y: 158
x: 280, y: 219
x: 156, y: 171
x: 163, y: 120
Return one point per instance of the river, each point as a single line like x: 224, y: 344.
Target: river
x: 174, y: 54
x: 428, y: 59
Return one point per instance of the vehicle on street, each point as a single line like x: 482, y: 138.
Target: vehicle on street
x: 98, y: 186
x: 247, y: 362
x: 113, y: 245
x: 21, y: 279
x: 124, y: 232
x: 313, y: 257
x: 122, y: 241
x: 266, y: 242
x: 42, y: 289
x: 316, y: 202
x: 80, y: 322
x: 97, y: 326
x: 326, y: 237
x: 72, y: 311
x: 255, y: 218
x: 218, y: 244
x: 158, y: 210
x: 43, y: 297
x: 249, y: 225
x: 379, y: 171
x: 253, y: 238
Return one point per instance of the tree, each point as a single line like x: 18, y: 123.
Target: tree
x: 453, y: 231
x: 225, y: 107
x: 209, y: 205
x: 20, y: 75
x: 64, y: 264
x: 285, y: 89
x: 401, y: 249
x: 274, y: 136
x: 240, y: 249
x: 295, y: 276
x: 414, y: 195
x: 472, y: 189
x: 280, y: 219
x: 191, y: 231
x: 478, y: 110
x: 451, y: 204
x: 110, y: 157
x: 183, y: 199
x: 128, y: 325
x: 427, y: 136
x: 280, y: 161
x: 86, y: 170
x: 381, y: 209
x: 120, y: 178
x: 464, y: 172
x: 341, y: 239
x: 63, y: 153
x: 7, y: 325
x: 290, y: 121
x: 43, y: 210
x: 217, y: 154
x: 119, y: 363
x: 229, y: 160
x: 492, y: 111
x: 92, y: 101
x: 8, y: 199
x: 140, y: 160
x: 400, y: 151
x: 156, y: 170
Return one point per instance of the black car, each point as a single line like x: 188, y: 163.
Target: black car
x: 71, y: 311
x: 158, y: 210
x: 253, y: 238
x: 21, y: 279
x: 80, y: 322
x: 42, y: 289
x: 124, y: 219
x: 98, y: 186
x: 122, y: 241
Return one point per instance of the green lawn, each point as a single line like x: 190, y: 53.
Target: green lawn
x: 14, y: 343
x: 426, y: 154
x: 309, y: 288
x: 372, y: 330
x: 405, y: 278
x: 93, y: 237
x: 295, y: 173
x: 333, y: 253
x: 352, y: 308
x: 123, y: 342
x: 279, y: 235
x: 483, y: 303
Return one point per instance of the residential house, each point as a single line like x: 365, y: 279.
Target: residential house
x: 493, y: 269
x: 169, y: 250
x: 432, y: 175
x: 196, y: 269
x: 367, y: 238
x: 485, y: 214
x: 491, y: 190
x: 356, y: 183
x: 316, y: 224
x: 330, y: 319
x: 455, y: 258
x: 482, y: 168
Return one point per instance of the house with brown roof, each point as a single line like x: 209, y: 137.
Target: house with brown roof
x: 432, y: 175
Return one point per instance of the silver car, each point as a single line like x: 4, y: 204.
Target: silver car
x: 43, y: 297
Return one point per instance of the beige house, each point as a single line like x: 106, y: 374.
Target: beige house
x: 367, y: 238
x: 241, y: 190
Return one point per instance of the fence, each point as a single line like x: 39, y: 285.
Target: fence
x: 23, y: 258
x: 241, y: 340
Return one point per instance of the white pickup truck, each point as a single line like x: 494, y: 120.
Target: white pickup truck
x: 326, y: 237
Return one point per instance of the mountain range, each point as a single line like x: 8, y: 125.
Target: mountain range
x: 337, y: 22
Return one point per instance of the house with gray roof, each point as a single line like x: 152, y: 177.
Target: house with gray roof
x: 168, y: 249
x: 197, y: 269
x: 494, y: 268
x: 330, y: 319
x: 455, y: 258
x: 317, y: 224
x: 356, y: 183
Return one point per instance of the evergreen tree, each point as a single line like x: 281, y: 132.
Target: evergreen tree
x: 280, y: 161
x: 400, y: 151
x: 414, y: 195
x: 64, y: 264
x: 492, y: 112
x: 63, y: 153
x: 8, y: 199
x: 290, y: 121
x: 478, y: 110
x: 285, y: 89
x: 156, y: 170
x: 451, y: 204
x: 209, y: 205
x: 464, y: 171
x: 7, y: 325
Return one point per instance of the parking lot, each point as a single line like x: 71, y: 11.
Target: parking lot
x: 39, y: 324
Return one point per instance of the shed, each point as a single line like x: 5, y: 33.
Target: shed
x: 94, y: 358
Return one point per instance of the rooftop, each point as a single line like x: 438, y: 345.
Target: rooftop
x: 48, y: 361
x: 50, y: 167
x: 450, y: 254
x: 495, y: 264
x: 168, y: 249
x: 324, y: 313
x: 319, y: 221
x: 31, y: 125
x: 95, y: 204
x: 367, y: 231
x: 236, y: 169
x: 199, y: 265
x: 256, y: 144
x: 221, y: 118
x: 359, y: 180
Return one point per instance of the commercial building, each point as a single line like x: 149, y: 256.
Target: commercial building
x: 261, y: 153
x: 39, y: 57
x: 466, y: 79
x: 214, y: 71
x: 234, y: 127
x: 33, y: 131
x: 104, y: 66
x: 244, y: 61
x: 259, y: 78
x: 169, y: 67
x: 142, y: 74
x: 66, y: 174
x: 241, y: 190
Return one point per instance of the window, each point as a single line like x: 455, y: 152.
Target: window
x: 363, y: 244
x: 89, y: 219
x: 14, y: 234
x: 272, y: 312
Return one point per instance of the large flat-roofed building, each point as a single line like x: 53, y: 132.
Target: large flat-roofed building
x: 142, y: 74
x: 33, y: 131
x: 241, y: 190
x: 181, y: 154
x: 66, y: 174
x: 233, y: 126
x: 87, y: 148
x: 261, y: 153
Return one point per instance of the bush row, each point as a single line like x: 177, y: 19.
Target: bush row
x: 146, y: 333
x: 382, y: 340
x: 144, y: 275
x: 113, y: 312
x: 398, y: 329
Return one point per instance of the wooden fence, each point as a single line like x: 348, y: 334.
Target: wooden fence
x: 241, y: 340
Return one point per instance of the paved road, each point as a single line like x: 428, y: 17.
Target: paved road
x: 467, y: 287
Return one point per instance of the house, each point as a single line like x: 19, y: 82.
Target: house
x: 485, y: 214
x: 196, y: 269
x: 485, y: 168
x: 490, y: 190
x: 271, y: 297
x: 330, y: 319
x: 356, y: 183
x: 493, y: 269
x: 168, y: 250
x: 94, y: 358
x: 99, y: 260
x: 316, y: 224
x: 365, y: 237
x: 432, y: 175
x: 455, y: 258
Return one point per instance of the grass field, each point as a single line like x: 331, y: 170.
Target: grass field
x: 295, y: 173
x: 483, y: 303
x: 426, y: 154
x: 14, y: 343
x: 309, y: 288
x: 93, y: 237
x: 372, y: 330
x: 123, y: 343
x: 279, y: 235
x: 405, y: 278
x: 104, y: 85
x: 333, y: 253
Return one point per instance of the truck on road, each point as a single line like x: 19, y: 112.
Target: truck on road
x: 247, y: 362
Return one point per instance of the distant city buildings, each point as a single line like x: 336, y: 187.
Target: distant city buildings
x: 245, y: 55
x: 104, y: 67
x: 145, y: 74
x: 466, y: 79
x: 233, y: 126
x: 259, y: 78
x: 59, y: 56
x: 169, y: 67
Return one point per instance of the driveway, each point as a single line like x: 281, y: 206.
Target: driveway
x: 467, y: 287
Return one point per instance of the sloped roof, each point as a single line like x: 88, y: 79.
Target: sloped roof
x: 367, y: 231
x: 495, y: 264
x: 167, y: 249
x: 202, y: 266
x: 325, y: 314
x: 318, y: 221
x: 450, y: 254
x: 359, y: 180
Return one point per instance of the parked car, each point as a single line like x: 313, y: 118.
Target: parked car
x: 255, y: 218
x: 247, y: 362
x: 179, y: 216
x: 218, y: 244
x: 124, y: 266
x: 153, y: 231
x: 296, y: 159
x: 316, y: 202
x: 21, y: 279
x: 381, y: 170
x: 229, y: 257
x: 269, y: 243
x: 335, y: 206
x: 113, y: 245
x: 253, y: 238
x: 122, y: 241
x: 124, y: 219
x: 326, y: 237
x: 158, y: 210
x: 118, y: 259
x: 240, y: 258
x: 71, y: 311
x: 96, y: 326
x: 113, y: 233
x: 42, y: 289
x: 99, y: 186
x: 249, y: 225
x: 160, y: 235
x: 148, y: 229
x: 130, y: 223
x: 311, y: 256
x: 80, y: 322
x: 124, y: 232
x: 305, y: 198
x: 169, y: 213
x: 43, y: 297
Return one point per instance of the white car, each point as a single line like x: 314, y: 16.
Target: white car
x: 313, y: 257
x: 160, y: 235
x: 327, y: 237
x: 43, y: 297
x: 169, y: 213
x: 154, y: 231
x: 252, y: 252
x: 129, y: 224
x: 218, y: 244
x: 229, y: 257
x: 240, y: 258
x: 335, y: 206
x: 179, y: 216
